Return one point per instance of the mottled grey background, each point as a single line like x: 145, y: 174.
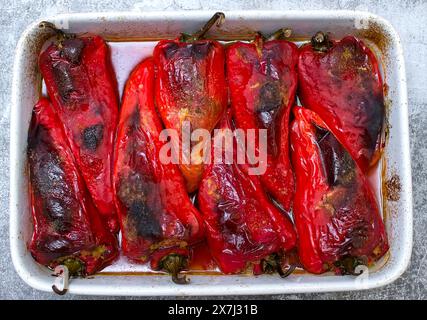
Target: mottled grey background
x: 408, y: 17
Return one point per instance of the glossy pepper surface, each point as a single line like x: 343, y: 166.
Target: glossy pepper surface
x: 67, y: 227
x: 336, y: 214
x: 341, y: 82
x: 158, y: 220
x: 262, y: 78
x: 190, y: 88
x: 243, y: 227
x: 81, y: 84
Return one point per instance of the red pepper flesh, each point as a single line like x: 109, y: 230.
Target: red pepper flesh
x: 262, y: 77
x: 336, y: 214
x: 341, y: 82
x: 81, y: 83
x: 158, y: 219
x: 242, y: 225
x: 67, y: 227
x: 190, y: 86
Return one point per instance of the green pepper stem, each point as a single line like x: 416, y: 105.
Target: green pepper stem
x: 288, y: 272
x: 173, y: 264
x: 348, y: 265
x: 217, y: 18
x: 268, y: 265
x: 320, y: 42
x: 60, y: 35
x: 280, y: 34
x: 272, y: 264
x: 61, y: 271
x: 57, y: 291
x: 74, y: 265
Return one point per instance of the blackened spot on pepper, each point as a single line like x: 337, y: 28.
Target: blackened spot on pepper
x: 92, y: 136
x: 47, y: 171
x: 359, y: 234
x: 63, y: 79
x: 146, y: 224
x: 133, y: 192
x: 49, y: 181
x: 57, y: 246
x: 338, y: 165
x: 201, y: 50
x: 375, y: 116
x: 72, y: 50
x: 270, y: 101
x: 59, y: 213
x: 170, y: 49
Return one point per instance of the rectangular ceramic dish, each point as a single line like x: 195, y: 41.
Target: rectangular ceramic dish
x: 141, y: 29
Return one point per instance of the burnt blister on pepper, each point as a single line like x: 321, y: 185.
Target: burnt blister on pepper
x: 341, y: 82
x: 262, y: 79
x: 67, y: 228
x: 158, y: 220
x: 191, y: 87
x: 335, y: 211
x: 243, y: 227
x: 81, y: 83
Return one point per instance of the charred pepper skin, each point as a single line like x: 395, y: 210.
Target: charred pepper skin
x: 341, y: 82
x: 262, y: 77
x: 242, y: 225
x: 81, y: 83
x: 190, y: 86
x: 67, y: 227
x: 158, y: 219
x: 336, y: 214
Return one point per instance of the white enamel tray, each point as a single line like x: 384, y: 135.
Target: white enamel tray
x: 126, y: 279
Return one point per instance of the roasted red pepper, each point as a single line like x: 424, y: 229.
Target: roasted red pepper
x: 158, y: 219
x: 243, y: 226
x: 341, y: 82
x: 335, y: 211
x: 262, y: 78
x: 190, y: 86
x: 67, y: 227
x: 81, y: 83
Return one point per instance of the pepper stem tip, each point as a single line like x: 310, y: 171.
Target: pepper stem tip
x: 217, y: 19
x: 58, y: 291
x: 173, y: 264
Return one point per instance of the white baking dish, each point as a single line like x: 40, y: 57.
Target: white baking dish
x: 125, y: 279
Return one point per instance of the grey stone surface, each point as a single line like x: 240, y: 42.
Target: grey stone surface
x: 408, y: 17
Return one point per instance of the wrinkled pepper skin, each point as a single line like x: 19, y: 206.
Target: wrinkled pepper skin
x: 67, y: 227
x: 343, y: 85
x: 190, y: 86
x: 336, y: 214
x: 242, y: 225
x: 81, y: 83
x: 262, y: 78
x: 156, y: 214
